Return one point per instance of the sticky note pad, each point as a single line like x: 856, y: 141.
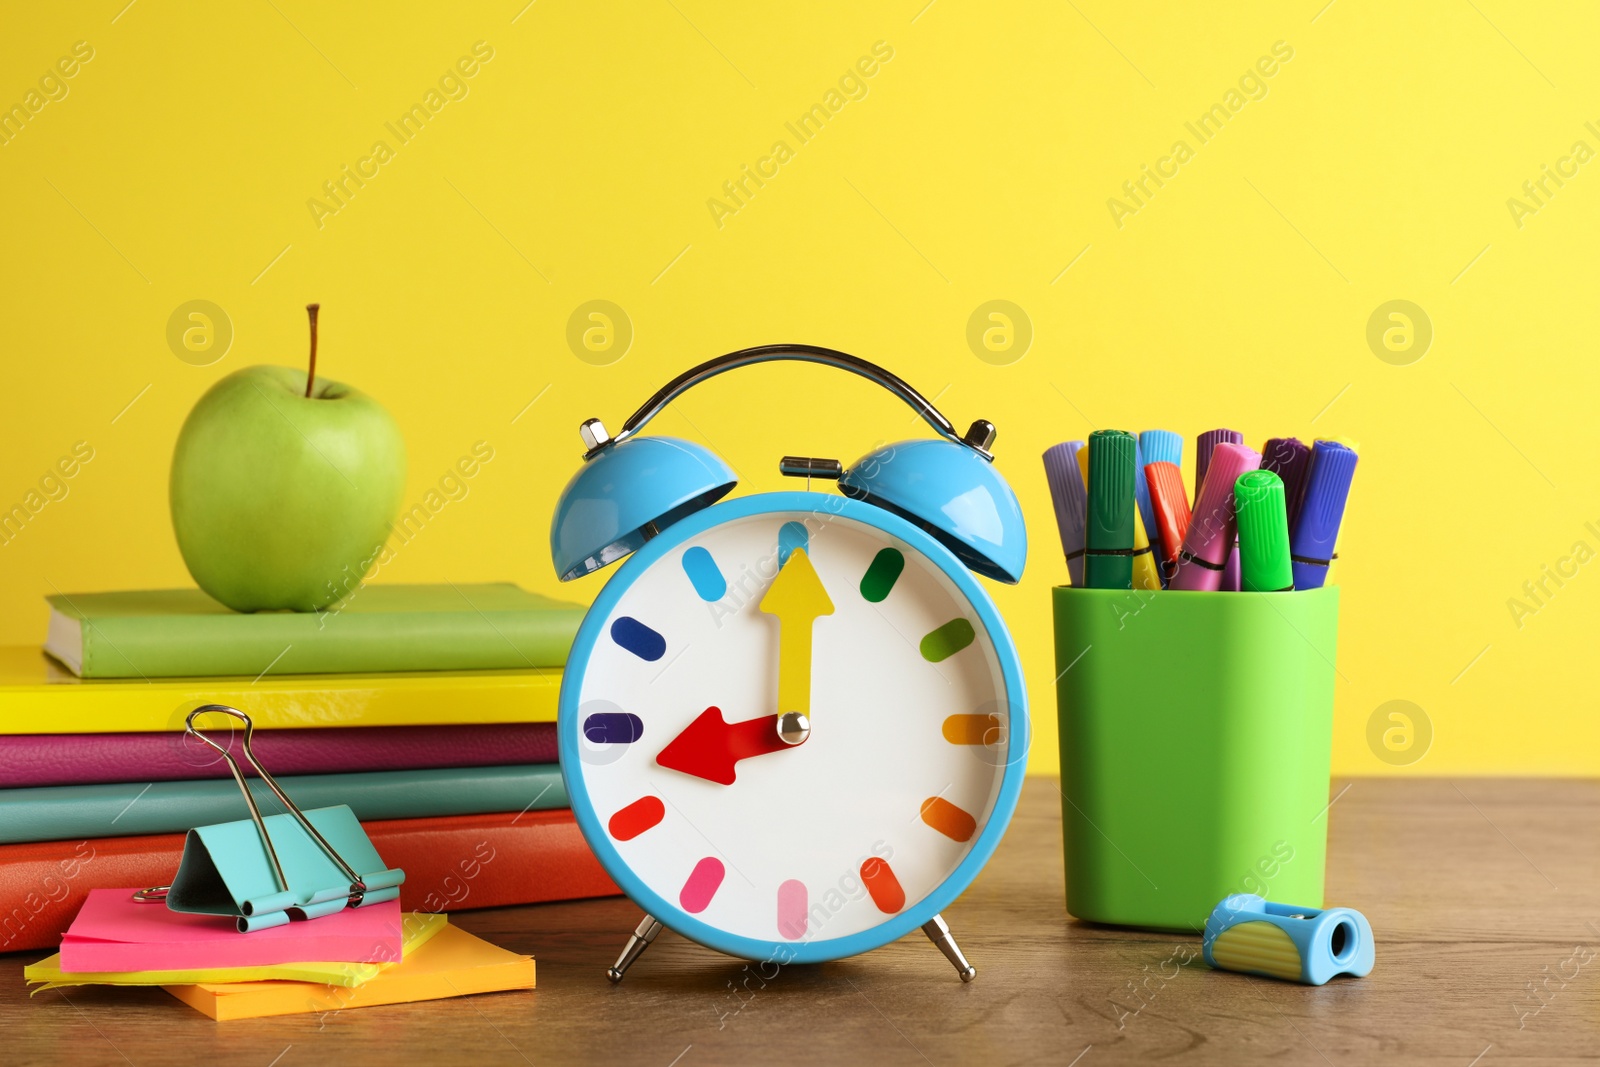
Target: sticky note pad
x: 454, y: 963
x: 419, y: 928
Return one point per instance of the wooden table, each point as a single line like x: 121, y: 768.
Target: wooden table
x: 1475, y: 888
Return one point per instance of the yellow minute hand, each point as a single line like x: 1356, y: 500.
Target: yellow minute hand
x: 796, y: 597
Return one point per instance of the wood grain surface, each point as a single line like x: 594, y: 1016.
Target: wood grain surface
x: 1480, y: 892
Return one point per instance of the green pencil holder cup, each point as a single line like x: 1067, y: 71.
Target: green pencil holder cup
x: 1196, y: 731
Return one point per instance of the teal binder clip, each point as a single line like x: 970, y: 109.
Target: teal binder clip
x: 265, y: 872
x: 1307, y: 945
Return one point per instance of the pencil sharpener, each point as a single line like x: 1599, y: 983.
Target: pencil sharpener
x: 1308, y: 945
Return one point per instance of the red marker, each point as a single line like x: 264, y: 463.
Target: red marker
x: 1171, y: 505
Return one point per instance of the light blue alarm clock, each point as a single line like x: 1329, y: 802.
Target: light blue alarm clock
x: 792, y: 725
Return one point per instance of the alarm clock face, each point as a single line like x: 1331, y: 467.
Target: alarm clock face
x: 793, y: 725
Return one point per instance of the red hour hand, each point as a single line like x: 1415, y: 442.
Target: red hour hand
x: 709, y: 747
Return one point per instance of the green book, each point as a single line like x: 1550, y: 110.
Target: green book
x: 177, y: 633
x: 74, y: 812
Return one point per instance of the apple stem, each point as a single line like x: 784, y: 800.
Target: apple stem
x: 311, y: 375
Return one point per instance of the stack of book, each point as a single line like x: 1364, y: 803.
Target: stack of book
x: 429, y: 710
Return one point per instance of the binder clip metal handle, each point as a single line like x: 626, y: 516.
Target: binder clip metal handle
x: 237, y: 870
x: 357, y: 885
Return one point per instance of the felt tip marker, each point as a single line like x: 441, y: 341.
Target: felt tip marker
x: 1146, y: 575
x: 1141, y: 492
x: 1210, y: 537
x: 1108, y: 539
x: 1156, y: 446
x: 1146, y: 570
x: 1290, y: 459
x: 1070, y: 499
x: 1264, y: 567
x: 1333, y: 467
x: 1170, y: 500
x: 1204, y: 445
x: 1161, y: 446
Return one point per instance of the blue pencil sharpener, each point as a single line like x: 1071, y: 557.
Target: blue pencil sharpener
x: 1309, y: 945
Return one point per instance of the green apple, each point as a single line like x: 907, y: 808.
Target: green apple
x: 284, y: 488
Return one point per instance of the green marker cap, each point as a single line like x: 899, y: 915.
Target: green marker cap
x: 1264, y: 563
x: 1108, y: 535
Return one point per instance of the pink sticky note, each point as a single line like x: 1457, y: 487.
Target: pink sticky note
x: 113, y: 932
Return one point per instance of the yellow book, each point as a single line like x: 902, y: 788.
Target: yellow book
x: 454, y: 963
x: 420, y: 927
x: 38, y: 696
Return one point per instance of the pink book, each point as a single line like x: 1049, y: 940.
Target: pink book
x: 87, y: 759
x: 113, y: 932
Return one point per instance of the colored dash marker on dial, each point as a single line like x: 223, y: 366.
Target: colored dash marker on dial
x: 792, y: 535
x: 613, y: 728
x: 882, y: 885
x: 638, y: 638
x: 702, y: 885
x: 633, y: 820
x: 950, y: 820
x: 973, y: 730
x: 704, y: 574
x: 881, y: 575
x: 792, y: 904
x: 947, y: 640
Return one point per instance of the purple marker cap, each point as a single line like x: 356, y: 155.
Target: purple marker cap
x: 1290, y: 459
x: 1203, y: 446
x: 1071, y: 501
x: 1212, y: 527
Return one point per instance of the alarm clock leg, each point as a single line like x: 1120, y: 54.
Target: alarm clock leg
x: 938, y: 932
x: 638, y: 941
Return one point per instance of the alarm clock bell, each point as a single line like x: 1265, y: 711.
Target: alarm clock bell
x: 631, y: 487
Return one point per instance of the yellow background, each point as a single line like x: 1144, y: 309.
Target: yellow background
x: 978, y: 167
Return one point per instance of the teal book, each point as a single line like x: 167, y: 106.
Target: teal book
x: 182, y: 633
x: 76, y: 812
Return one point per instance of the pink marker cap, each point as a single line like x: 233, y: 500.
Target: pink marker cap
x: 1209, y: 540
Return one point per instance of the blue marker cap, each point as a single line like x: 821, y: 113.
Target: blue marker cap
x: 1160, y: 446
x: 1154, y: 446
x: 1333, y: 467
x: 1141, y: 491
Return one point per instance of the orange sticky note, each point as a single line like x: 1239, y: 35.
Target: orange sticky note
x: 452, y: 963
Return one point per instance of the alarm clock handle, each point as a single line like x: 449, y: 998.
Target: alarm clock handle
x: 978, y: 438
x: 638, y: 941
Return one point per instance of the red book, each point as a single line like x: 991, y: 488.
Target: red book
x: 453, y: 862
